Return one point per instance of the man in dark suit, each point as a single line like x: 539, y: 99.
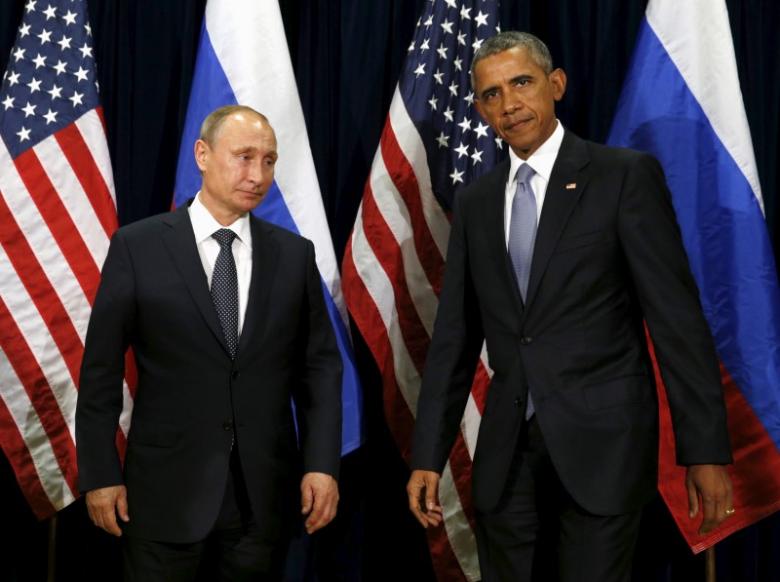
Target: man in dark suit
x: 226, y: 318
x: 567, y: 447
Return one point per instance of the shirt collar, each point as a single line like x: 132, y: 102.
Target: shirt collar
x: 204, y: 224
x: 543, y: 159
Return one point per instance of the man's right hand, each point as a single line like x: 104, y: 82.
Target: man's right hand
x: 423, y: 491
x: 104, y: 504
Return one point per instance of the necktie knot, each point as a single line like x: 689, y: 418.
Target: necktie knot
x: 524, y: 175
x: 225, y: 237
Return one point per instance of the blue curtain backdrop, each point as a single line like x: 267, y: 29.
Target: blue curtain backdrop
x: 347, y: 55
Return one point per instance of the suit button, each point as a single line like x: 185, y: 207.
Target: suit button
x: 518, y: 402
x: 235, y: 374
x: 227, y: 425
x: 525, y: 340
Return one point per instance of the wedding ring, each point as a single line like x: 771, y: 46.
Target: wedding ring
x: 731, y: 511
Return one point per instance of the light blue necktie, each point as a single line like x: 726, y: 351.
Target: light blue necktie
x: 522, y: 235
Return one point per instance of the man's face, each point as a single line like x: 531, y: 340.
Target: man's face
x: 238, y: 167
x: 517, y: 98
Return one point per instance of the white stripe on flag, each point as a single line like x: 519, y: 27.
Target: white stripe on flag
x: 91, y: 129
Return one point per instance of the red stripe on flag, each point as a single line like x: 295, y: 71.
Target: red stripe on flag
x: 40, y: 289
x: 388, y: 254
x: 80, y: 158
x: 60, y: 223
x: 41, y: 397
x: 18, y: 456
x: 402, y: 174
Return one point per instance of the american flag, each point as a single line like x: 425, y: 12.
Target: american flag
x: 433, y: 143
x: 58, y: 211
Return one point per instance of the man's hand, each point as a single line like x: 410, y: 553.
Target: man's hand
x: 712, y: 485
x: 319, y: 499
x: 423, y: 491
x: 104, y: 504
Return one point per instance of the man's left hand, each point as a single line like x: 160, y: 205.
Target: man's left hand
x: 319, y: 499
x: 710, y: 484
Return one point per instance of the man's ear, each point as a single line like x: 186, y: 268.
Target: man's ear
x: 478, y: 106
x: 558, y: 81
x: 202, y: 152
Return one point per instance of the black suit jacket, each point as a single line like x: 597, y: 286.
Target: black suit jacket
x: 154, y: 297
x: 608, y: 253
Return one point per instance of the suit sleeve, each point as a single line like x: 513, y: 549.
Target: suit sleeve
x: 318, y: 397
x: 669, y: 298
x: 452, y: 357
x: 102, y: 371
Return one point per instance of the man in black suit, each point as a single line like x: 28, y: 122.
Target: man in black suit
x: 567, y: 447
x: 227, y: 321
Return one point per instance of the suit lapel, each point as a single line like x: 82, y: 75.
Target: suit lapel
x: 265, y: 254
x: 179, y: 238
x: 559, y: 201
x: 495, y: 206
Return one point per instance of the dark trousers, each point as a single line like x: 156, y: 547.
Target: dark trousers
x: 233, y: 551
x: 538, y: 532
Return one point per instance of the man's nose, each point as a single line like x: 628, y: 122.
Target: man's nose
x: 259, y: 173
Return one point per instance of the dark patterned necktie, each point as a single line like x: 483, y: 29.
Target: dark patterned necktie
x: 224, y: 288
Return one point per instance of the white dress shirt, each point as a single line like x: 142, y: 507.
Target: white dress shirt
x: 204, y: 225
x: 541, y: 161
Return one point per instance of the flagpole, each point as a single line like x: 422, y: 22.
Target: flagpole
x: 709, y: 564
x: 52, y: 557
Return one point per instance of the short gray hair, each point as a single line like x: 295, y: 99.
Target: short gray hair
x: 214, y: 120
x: 510, y: 39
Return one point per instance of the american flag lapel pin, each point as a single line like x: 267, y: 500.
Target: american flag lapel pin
x: 571, y: 185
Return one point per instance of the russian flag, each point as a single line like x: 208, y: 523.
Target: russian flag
x: 243, y: 59
x: 681, y: 102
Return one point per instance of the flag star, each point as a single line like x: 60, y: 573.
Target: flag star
x: 24, y: 134
x: 45, y: 36
x: 465, y: 13
x: 456, y: 176
x: 477, y: 43
x: 433, y: 101
x: 18, y: 54
x: 55, y: 92
x: 442, y: 50
x: 49, y: 12
x: 39, y: 61
x: 97, y: 86
x: 81, y: 74
x: 24, y: 30
x: 51, y: 117
x: 30, y: 6
x: 469, y: 98
x: 476, y: 157
x: 446, y: 26
x: 454, y: 88
x: 420, y: 70
x: 439, y: 76
x: 419, y: 22
x: 88, y: 28
x: 498, y: 29
x: 448, y: 114
x: 64, y: 42
x: 86, y: 51
x: 70, y: 18
x: 429, y: 21
x: 76, y: 98
x: 13, y: 79
x: 8, y: 102
x: 481, y: 19
x: 451, y: 3
x: 481, y: 130
x: 411, y: 47
x: 499, y: 143
x: 34, y: 85
x: 465, y: 125
x: 29, y: 109
x: 462, y: 39
x: 443, y: 140
x: 462, y: 149
x: 458, y: 62
x: 425, y: 45
x: 59, y: 67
